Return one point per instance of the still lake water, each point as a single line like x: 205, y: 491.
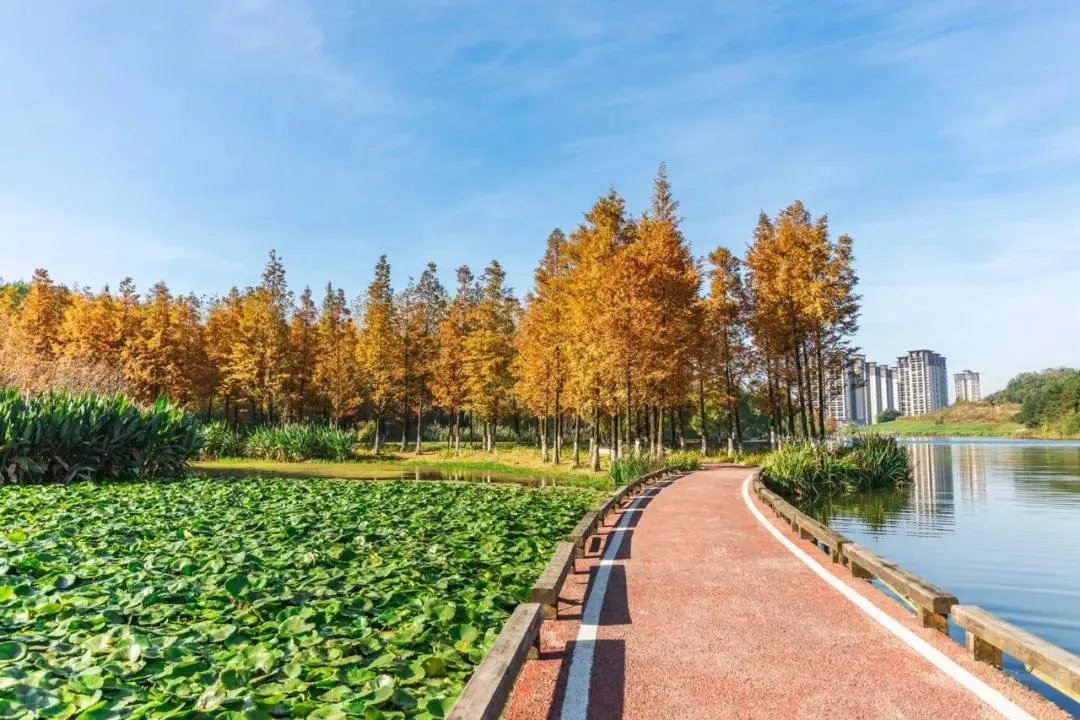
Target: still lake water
x: 994, y: 522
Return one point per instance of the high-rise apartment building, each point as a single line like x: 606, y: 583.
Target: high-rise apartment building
x: 861, y: 391
x: 923, y: 382
x: 967, y: 386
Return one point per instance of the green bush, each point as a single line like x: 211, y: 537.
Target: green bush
x: 868, y: 462
x: 219, y: 440
x: 295, y: 443
x: 63, y: 437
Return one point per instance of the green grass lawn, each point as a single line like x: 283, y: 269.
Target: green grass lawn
x: 259, y: 598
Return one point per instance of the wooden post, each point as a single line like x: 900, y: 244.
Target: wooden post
x: 859, y: 572
x: 982, y: 650
x: 930, y: 619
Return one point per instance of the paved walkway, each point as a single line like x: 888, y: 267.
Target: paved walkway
x: 692, y: 609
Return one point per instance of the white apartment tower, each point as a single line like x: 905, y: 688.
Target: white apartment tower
x: 923, y: 382
x: 861, y: 391
x: 967, y: 386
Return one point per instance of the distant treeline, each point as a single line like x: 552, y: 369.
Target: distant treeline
x: 626, y: 339
x: 1049, y: 400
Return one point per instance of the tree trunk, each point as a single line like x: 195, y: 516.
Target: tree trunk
x: 811, y: 414
x: 790, y: 412
x: 419, y: 423
x: 701, y: 416
x: 577, y: 449
x: 821, y: 384
x: 378, y: 427
x: 594, y: 439
x: 558, y: 429
x: 659, y: 432
x: 629, y: 410
x: 617, y: 449
x: 542, y: 425
x: 803, y: 415
x: 738, y: 422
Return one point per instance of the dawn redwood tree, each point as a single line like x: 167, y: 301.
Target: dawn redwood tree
x: 222, y: 328
x: 449, y: 384
x: 489, y: 350
x: 300, y: 393
x: 803, y: 313
x: 336, y: 375
x: 378, y: 351
x: 258, y: 359
x: 724, y: 316
x: 540, y: 366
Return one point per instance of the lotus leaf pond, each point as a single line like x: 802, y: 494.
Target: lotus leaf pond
x: 262, y: 598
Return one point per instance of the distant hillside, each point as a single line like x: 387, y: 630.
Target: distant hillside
x: 1049, y: 400
x: 965, y: 419
x: 1024, y: 385
x: 1042, y: 404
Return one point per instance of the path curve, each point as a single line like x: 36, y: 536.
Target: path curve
x: 704, y: 614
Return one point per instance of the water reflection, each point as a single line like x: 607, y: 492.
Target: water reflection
x: 970, y: 473
x: 995, y: 522
x: 931, y: 492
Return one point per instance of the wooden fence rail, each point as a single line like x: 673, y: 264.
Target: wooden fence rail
x: 988, y: 636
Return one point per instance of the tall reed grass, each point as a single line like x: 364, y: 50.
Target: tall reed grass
x: 868, y: 462
x: 294, y: 442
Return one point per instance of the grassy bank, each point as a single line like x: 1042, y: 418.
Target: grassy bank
x: 504, y: 463
x: 966, y: 420
x: 935, y: 428
x: 262, y: 597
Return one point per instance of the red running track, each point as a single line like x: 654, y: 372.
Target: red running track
x: 705, y: 614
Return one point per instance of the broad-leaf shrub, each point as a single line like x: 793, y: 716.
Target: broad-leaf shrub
x: 60, y: 437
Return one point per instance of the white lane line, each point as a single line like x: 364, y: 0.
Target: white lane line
x: 575, y: 704
x: 980, y: 689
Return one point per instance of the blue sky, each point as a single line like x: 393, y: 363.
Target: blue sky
x: 183, y: 140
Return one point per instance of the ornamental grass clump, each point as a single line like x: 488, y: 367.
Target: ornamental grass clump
x: 869, y: 462
x: 683, y: 460
x: 298, y: 442
x: 61, y: 437
x: 220, y: 441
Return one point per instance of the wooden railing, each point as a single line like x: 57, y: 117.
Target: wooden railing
x: 987, y: 635
x: 488, y: 690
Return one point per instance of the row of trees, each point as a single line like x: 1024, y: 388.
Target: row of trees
x: 625, y: 338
